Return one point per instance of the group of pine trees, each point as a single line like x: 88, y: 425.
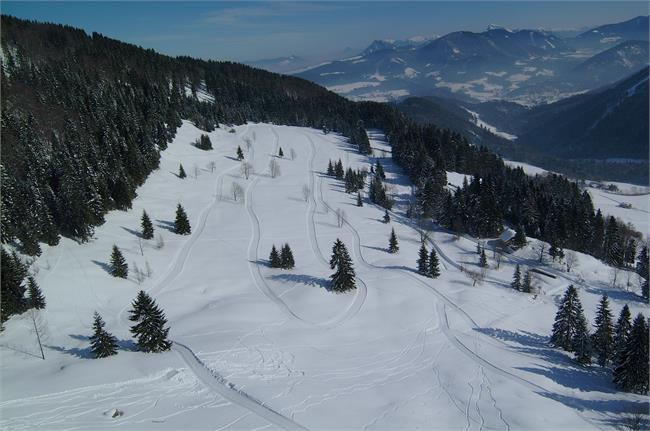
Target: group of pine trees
x: 336, y: 169
x: 149, y: 329
x: 427, y: 264
x: 623, y: 346
x: 283, y: 259
x: 203, y: 142
x: 16, y: 282
x: 522, y: 285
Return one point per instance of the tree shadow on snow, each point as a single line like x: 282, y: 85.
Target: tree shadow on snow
x: 302, y: 279
x: 85, y: 352
x: 138, y: 234
x: 167, y: 225
x: 103, y: 265
x: 375, y: 248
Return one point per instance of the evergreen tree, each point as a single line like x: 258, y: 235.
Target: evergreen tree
x: 147, y: 226
x: 642, y: 266
x: 149, y: 330
x: 240, y: 153
x: 423, y: 260
x: 330, y: 169
x: 603, y: 337
x: 581, y: 340
x: 280, y: 153
x: 483, y: 263
x: 631, y: 372
x: 359, y: 200
x: 12, y: 294
x: 343, y: 279
x: 286, y: 257
x: 182, y: 224
x: 622, y: 331
x: 274, y: 258
x: 520, y: 237
x: 393, y: 247
x: 379, y: 170
x: 102, y: 343
x: 645, y: 290
x: 119, y: 267
x: 527, y: 285
x: 516, y: 279
x: 386, y: 218
x: 181, y: 172
x: 35, y: 296
x: 614, y: 254
x: 434, y: 270
x: 339, y: 173
x: 567, y: 320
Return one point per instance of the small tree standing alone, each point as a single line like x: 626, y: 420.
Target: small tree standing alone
x: 119, y: 267
x: 147, y: 226
x: 386, y: 218
x: 102, y: 343
x: 182, y: 224
x: 240, y: 153
x: 149, y: 330
x: 343, y: 278
x: 393, y: 247
x: 181, y: 172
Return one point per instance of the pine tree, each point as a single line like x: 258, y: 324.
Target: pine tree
x: 622, y: 331
x: 567, y: 320
x: 379, y: 171
x: 642, y: 268
x: 434, y: 270
x: 527, y: 285
x: 423, y: 260
x: 181, y: 172
x: 581, y: 340
x: 280, y: 153
x: 12, y: 292
x: 286, y: 257
x: 338, y: 170
x: 147, y: 226
x: 603, y: 337
x: 330, y: 169
x: 119, y: 267
x: 343, y: 279
x: 240, y: 153
x: 35, y: 296
x: 182, y: 224
x: 516, y: 279
x: 149, y: 330
x: 274, y: 258
x: 102, y: 343
x: 393, y: 247
x: 483, y: 263
x: 631, y: 372
x: 359, y: 201
x: 386, y: 218
x: 520, y: 237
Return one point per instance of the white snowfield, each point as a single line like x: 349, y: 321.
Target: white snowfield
x: 260, y: 348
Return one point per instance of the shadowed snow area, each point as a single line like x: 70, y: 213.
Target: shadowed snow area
x: 262, y: 348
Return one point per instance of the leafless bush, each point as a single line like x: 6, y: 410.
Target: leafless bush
x: 212, y: 166
x: 160, y: 242
x: 340, y: 217
x: 292, y: 154
x: 246, y: 169
x: 274, y: 168
x: 237, y: 191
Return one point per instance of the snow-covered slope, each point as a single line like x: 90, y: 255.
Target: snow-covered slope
x: 258, y: 348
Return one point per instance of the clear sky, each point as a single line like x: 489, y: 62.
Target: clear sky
x: 243, y: 31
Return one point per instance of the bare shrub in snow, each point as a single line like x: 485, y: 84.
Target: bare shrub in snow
x: 237, y: 191
x: 305, y: 192
x: 274, y: 168
x: 246, y: 169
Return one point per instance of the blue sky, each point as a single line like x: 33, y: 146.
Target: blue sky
x: 244, y: 31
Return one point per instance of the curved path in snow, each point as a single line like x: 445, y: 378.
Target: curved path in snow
x: 219, y: 384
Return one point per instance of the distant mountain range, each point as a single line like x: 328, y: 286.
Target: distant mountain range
x: 526, y: 66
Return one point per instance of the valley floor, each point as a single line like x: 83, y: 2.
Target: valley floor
x: 261, y: 348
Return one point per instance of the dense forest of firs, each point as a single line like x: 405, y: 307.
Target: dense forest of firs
x: 84, y: 118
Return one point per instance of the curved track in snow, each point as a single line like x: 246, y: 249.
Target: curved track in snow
x: 219, y: 384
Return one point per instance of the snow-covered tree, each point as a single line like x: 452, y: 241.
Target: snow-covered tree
x: 240, y: 153
x: 434, y: 269
x: 393, y: 247
x: 516, y: 279
x: 149, y: 329
x: 119, y: 267
x: 527, y: 284
x: 274, y: 258
x: 582, y: 340
x: 359, y: 200
x: 102, y: 343
x: 568, y: 319
x: 280, y: 153
x: 35, y: 297
x: 386, y: 218
x: 483, y: 263
x: 286, y: 257
x: 181, y: 172
x: 344, y: 278
x: 603, y: 337
x: 181, y: 224
x: 423, y: 260
x: 631, y: 372
x: 622, y: 331
x: 147, y: 226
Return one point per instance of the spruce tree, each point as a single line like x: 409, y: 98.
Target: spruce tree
x: 483, y: 263
x: 147, y: 226
x: 286, y: 257
x: 423, y: 260
x: 240, y: 153
x: 622, y: 331
x: 631, y: 371
x: 386, y: 218
x: 379, y: 171
x: 35, y: 296
x: 516, y: 279
x: 338, y: 170
x: 527, y: 285
x: 274, y: 258
x: 359, y: 201
x: 434, y: 270
x: 119, y: 267
x: 12, y: 293
x: 642, y: 267
x: 182, y: 224
x: 567, y: 320
x: 520, y: 237
x: 393, y: 247
x: 102, y: 343
x: 149, y: 330
x: 330, y: 169
x: 181, y: 172
x: 581, y: 340
x: 280, y: 153
x: 343, y: 279
x: 603, y: 337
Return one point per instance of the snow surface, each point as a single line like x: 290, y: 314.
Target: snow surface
x: 347, y: 88
x: 476, y: 119
x: 259, y: 348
